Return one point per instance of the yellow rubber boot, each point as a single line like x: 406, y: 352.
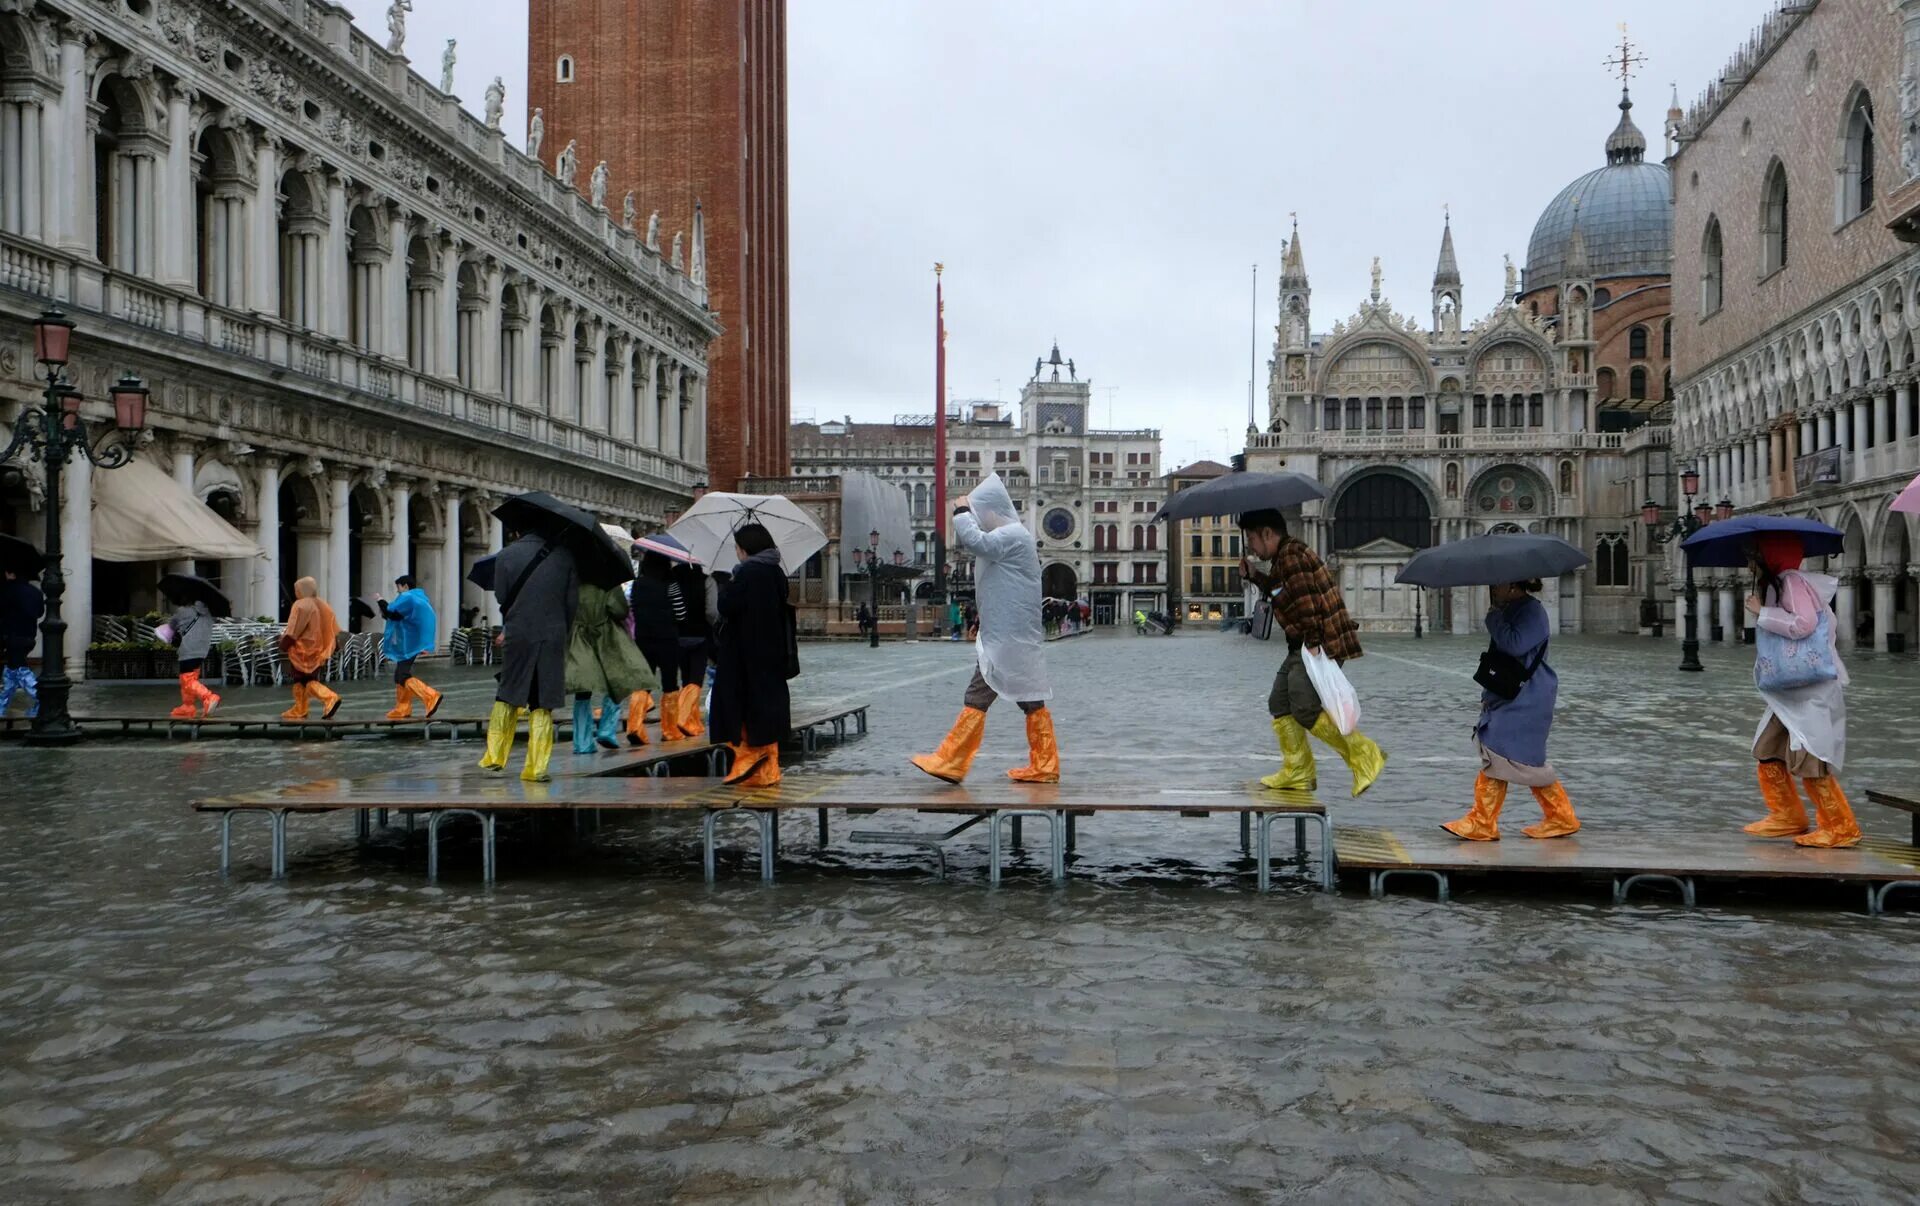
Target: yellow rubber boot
x: 426, y: 695
x: 299, y: 709
x: 1043, y: 751
x: 402, y: 703
x: 1361, y: 753
x: 1482, y: 822
x: 1296, y: 771
x: 539, y: 746
x: 1786, y: 816
x: 500, y: 727
x: 955, y: 755
x: 637, y: 706
x: 1838, y: 828
x: 1557, y: 813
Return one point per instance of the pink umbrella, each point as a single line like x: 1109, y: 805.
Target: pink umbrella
x: 1909, y: 500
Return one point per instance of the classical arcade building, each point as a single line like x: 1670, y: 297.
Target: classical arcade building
x: 364, y: 318
x: 1546, y: 415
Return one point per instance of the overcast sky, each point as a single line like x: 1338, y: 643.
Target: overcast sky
x: 1107, y: 171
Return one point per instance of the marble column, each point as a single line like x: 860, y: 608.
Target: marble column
x: 334, y: 272
x: 1862, y: 435
x: 183, y: 471
x: 496, y: 540
x: 263, y: 243
x: 1883, y: 578
x: 620, y: 406
x: 76, y: 562
x: 1902, y: 412
x: 650, y: 400
x: 1825, y: 422
x: 447, y: 615
x: 71, y: 216
x: 1722, y: 612
x: 391, y: 337
x: 486, y: 343
x: 1883, y: 402
x: 447, y: 313
x: 1845, y: 608
x: 266, y: 571
x: 176, y: 251
x: 335, y: 588
x: 400, y: 547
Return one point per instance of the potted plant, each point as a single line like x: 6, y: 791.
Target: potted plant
x: 117, y: 659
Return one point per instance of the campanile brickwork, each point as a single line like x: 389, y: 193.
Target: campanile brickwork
x: 686, y: 100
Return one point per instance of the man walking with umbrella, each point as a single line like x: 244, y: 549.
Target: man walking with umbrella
x: 1309, y: 608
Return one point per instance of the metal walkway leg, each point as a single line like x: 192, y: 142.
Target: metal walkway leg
x: 277, y: 821
x: 1377, y: 881
x: 1623, y: 887
x: 1877, y: 898
x: 487, y: 855
x: 1263, y: 842
x: 765, y: 817
x: 1056, y: 829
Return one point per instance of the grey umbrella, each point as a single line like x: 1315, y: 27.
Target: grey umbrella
x: 1233, y: 493
x: 1490, y: 560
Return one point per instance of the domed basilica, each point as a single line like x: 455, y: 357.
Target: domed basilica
x: 1546, y: 415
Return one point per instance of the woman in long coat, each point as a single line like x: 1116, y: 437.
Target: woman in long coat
x: 658, y: 639
x: 538, y: 586
x: 750, y: 705
x: 1511, y: 735
x: 1803, y: 733
x: 308, y: 643
x: 603, y: 662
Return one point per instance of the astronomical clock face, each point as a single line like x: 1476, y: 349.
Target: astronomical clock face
x: 1508, y: 495
x: 1058, y: 523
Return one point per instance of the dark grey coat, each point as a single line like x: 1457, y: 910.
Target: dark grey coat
x: 533, y: 673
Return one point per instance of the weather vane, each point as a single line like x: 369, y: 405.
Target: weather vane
x: 1628, y: 64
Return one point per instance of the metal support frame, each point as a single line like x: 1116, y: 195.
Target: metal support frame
x: 1877, y: 896
x: 1056, y: 829
x: 1263, y: 847
x: 434, y: 819
x: 1246, y: 833
x: 764, y: 817
x: 278, y: 818
x: 1377, y: 881
x: 1623, y: 887
x: 934, y: 845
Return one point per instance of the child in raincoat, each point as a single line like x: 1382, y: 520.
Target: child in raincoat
x: 1803, y: 732
x: 307, y: 641
x: 1511, y: 735
x: 192, y: 626
x: 1011, y: 640
x: 410, y: 628
x: 603, y: 661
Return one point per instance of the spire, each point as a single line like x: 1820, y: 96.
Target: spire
x: 1293, y: 270
x: 1626, y: 144
x: 1448, y: 270
x: 1576, y: 247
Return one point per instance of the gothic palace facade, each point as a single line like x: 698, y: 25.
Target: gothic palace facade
x: 365, y: 319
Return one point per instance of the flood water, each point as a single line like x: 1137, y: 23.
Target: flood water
x: 604, y: 1026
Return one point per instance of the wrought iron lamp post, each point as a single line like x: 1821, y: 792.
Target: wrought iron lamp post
x: 873, y: 586
x: 51, y: 433
x: 1690, y: 520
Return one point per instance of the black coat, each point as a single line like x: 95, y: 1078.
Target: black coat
x: 750, y: 678
x: 21, y: 607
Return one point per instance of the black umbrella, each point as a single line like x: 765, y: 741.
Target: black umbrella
x: 1725, y: 542
x: 1233, y: 493
x: 19, y: 557
x: 598, y: 557
x: 481, y: 572
x: 360, y: 609
x: 186, y: 588
x: 1491, y: 560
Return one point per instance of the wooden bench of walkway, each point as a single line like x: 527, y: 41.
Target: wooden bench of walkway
x: 1631, y: 860
x: 995, y: 803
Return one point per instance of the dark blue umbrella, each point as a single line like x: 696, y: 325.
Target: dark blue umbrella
x: 1725, y: 542
x: 1491, y: 560
x: 480, y: 573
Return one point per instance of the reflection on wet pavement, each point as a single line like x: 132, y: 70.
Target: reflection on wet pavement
x: 605, y: 1026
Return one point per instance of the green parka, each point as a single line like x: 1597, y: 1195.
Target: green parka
x: 602, y: 659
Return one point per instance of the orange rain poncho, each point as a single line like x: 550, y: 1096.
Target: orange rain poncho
x: 311, y: 628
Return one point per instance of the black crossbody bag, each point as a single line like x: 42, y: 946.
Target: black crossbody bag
x: 1503, y: 674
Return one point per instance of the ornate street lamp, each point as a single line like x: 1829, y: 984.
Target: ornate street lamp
x: 873, y: 586
x: 1690, y: 520
x: 51, y: 433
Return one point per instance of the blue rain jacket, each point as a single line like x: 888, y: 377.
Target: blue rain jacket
x: 410, y: 626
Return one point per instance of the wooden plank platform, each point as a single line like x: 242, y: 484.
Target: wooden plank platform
x: 1627, y: 858
x: 994, y: 799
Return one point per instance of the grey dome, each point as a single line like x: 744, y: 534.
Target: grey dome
x: 1626, y: 221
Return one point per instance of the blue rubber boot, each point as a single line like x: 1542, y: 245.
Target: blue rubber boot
x: 583, y: 726
x: 609, y: 724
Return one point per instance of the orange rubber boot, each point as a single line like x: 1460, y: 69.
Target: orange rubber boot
x: 1837, y: 826
x: 1557, y: 812
x: 1482, y: 822
x: 746, y: 759
x: 328, y: 697
x: 637, y: 705
x: 766, y: 767
x: 955, y: 755
x: 1786, y: 817
x: 189, y: 698
x: 670, y: 727
x: 299, y: 709
x: 1043, y: 751
x: 426, y: 695
x: 402, y: 703
x: 690, y: 711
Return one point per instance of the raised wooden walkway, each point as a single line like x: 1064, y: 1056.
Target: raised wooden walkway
x: 1629, y: 860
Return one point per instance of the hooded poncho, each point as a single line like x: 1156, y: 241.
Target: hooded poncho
x: 1007, y: 591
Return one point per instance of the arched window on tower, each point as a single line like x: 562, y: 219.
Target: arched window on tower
x: 1637, y: 343
x: 1666, y: 340
x: 1856, y: 164
x: 1637, y: 383
x: 563, y: 69
x: 1773, y: 220
x: 1712, y: 269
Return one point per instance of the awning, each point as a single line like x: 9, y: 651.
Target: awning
x: 142, y: 514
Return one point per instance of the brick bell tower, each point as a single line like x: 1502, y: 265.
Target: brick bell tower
x: 686, y: 101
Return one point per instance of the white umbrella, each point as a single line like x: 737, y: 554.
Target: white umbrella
x: 708, y: 526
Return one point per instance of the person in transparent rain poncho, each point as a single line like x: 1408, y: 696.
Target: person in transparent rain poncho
x: 1011, y: 644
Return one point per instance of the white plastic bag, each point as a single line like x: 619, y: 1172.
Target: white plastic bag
x: 1336, y: 693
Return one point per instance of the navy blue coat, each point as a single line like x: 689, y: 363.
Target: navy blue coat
x: 1516, y: 729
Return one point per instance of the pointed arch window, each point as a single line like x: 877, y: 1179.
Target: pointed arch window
x: 1773, y: 220
x: 1857, y: 156
x: 1712, y: 269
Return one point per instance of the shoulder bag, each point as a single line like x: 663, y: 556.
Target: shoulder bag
x: 1503, y: 674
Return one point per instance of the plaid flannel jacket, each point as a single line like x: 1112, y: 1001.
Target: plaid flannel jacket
x: 1308, y: 604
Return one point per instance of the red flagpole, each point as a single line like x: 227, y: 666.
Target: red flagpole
x: 939, y: 436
